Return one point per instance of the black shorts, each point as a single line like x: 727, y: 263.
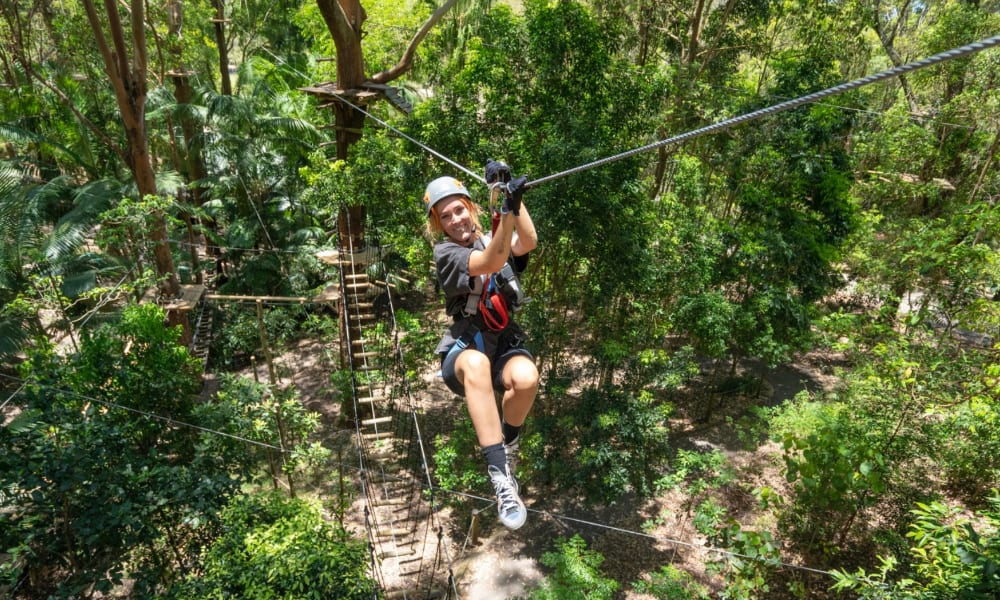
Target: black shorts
x: 497, y: 362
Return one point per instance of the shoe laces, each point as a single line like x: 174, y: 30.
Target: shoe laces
x: 506, y: 491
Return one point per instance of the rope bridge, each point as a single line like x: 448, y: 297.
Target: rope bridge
x: 409, y: 557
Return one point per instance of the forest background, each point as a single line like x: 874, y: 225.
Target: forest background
x: 863, y: 228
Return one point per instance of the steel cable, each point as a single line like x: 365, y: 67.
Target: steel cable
x: 781, y: 107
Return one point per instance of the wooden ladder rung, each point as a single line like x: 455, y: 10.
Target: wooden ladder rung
x: 384, y: 533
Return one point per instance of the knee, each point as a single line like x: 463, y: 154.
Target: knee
x: 523, y: 374
x: 473, y: 365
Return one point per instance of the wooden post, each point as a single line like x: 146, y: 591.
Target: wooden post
x: 474, y: 528
x: 263, y: 342
x: 274, y: 380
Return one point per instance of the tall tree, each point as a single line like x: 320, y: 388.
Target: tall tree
x: 129, y: 83
x: 344, y: 19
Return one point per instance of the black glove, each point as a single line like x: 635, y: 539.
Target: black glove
x: 512, y: 199
x: 497, y: 171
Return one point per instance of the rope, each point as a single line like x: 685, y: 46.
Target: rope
x: 16, y: 392
x: 613, y: 528
x: 371, y: 523
x: 150, y: 415
x: 781, y: 107
x: 424, y: 462
x: 428, y: 569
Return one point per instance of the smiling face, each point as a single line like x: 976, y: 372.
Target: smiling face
x: 456, y: 220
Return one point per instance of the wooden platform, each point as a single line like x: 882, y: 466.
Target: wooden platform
x: 190, y: 297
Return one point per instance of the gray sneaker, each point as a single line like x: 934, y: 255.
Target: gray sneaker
x: 513, y: 514
x: 513, y: 452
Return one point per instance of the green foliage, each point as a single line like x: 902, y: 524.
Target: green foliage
x: 969, y: 439
x: 619, y: 443
x: 274, y: 417
x: 750, y: 556
x: 950, y: 556
x: 239, y: 337
x: 838, y: 468
x: 671, y: 583
x: 576, y: 573
x: 698, y: 470
x: 458, y: 463
x: 103, y: 484
x: 417, y: 342
x: 279, y: 548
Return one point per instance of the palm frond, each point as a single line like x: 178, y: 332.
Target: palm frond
x: 308, y: 234
x: 234, y: 112
x: 160, y: 103
x: 24, y: 136
x: 14, y: 335
x: 74, y: 227
x: 169, y: 182
x: 92, y: 199
x: 289, y: 125
x: 11, y: 182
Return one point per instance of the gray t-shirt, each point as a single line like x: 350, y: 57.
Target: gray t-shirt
x: 452, y: 262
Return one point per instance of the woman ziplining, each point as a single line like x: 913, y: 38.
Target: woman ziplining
x: 483, y: 350
x: 466, y: 252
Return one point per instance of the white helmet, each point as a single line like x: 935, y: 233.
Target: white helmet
x: 441, y: 188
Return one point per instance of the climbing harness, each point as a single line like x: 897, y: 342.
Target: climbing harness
x: 493, y: 308
x: 471, y: 337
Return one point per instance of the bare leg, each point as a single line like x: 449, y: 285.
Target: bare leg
x: 472, y: 368
x: 520, y: 382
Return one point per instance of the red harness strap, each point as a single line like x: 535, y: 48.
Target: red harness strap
x: 493, y: 307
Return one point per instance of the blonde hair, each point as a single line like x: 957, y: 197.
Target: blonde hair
x: 434, y: 227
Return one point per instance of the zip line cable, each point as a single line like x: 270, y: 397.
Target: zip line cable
x: 714, y: 128
x: 425, y: 147
x: 941, y: 57
x: 873, y: 113
x: 107, y: 297
x: 613, y: 528
x: 781, y: 107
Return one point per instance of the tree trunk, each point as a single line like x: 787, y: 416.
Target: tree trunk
x: 887, y: 36
x: 129, y: 84
x: 220, y: 41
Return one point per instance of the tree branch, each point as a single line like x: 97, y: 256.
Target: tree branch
x: 110, y: 65
x: 139, y: 59
x: 406, y: 61
x: 68, y: 103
